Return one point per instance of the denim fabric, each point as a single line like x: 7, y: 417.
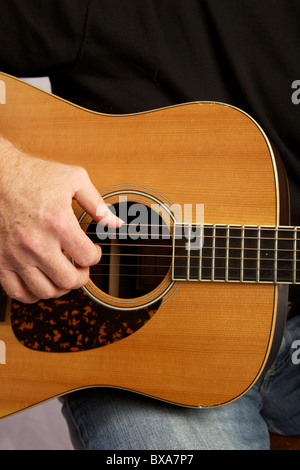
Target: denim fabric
x: 280, y: 387
x: 112, y: 419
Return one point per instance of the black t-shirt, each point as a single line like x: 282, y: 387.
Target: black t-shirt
x: 122, y: 56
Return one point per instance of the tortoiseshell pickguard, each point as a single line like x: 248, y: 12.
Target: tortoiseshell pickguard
x: 74, y: 323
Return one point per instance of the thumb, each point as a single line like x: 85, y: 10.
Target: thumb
x: 91, y: 201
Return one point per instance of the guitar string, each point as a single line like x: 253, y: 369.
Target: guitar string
x: 114, y: 236
x: 192, y: 258
x: 218, y: 268
x: 261, y: 257
x: 247, y: 269
x: 253, y: 228
x: 151, y: 236
x: 263, y: 238
x: 261, y: 251
x: 204, y: 225
x: 208, y: 247
x: 233, y: 275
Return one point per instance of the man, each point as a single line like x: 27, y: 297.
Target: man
x: 121, y: 57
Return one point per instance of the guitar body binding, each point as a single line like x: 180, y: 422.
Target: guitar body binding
x: 195, y: 344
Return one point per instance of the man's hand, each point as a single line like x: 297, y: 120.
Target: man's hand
x: 37, y: 224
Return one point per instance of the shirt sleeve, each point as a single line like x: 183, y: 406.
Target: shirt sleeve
x: 41, y: 37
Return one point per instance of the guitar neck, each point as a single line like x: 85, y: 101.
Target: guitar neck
x: 234, y: 253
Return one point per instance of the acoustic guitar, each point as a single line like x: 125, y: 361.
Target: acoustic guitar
x: 189, y: 300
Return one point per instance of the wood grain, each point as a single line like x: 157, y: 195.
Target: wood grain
x: 209, y: 342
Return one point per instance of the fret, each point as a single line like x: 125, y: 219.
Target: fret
x: 267, y: 254
x: 213, y: 261
x: 200, y: 255
x: 242, y: 254
x: 285, y: 255
x: 276, y: 254
x: 220, y: 253
x: 235, y: 253
x: 258, y: 255
x: 188, y: 250
x: 250, y: 266
x: 231, y: 253
x: 298, y: 255
x: 227, y: 254
x: 295, y: 255
x: 179, y: 253
x: 196, y: 239
x: 206, y: 268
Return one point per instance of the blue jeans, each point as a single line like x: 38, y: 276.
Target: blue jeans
x: 113, y: 419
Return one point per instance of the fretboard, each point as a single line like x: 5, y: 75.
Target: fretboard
x: 234, y: 253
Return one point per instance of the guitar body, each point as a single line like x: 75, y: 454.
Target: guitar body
x: 197, y: 344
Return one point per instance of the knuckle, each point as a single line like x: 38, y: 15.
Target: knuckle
x: 46, y: 292
x: 87, y: 254
x: 87, y: 260
x: 55, y: 220
x: 29, y: 241
x: 84, y: 261
x: 92, y: 256
x: 80, y: 173
x: 18, y: 293
x: 67, y: 283
x: 15, y: 288
x: 75, y: 280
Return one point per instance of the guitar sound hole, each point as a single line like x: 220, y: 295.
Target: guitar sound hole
x: 135, y: 258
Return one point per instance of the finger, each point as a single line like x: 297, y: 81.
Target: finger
x: 77, y: 244
x: 15, y: 287
x: 63, y: 273
x: 106, y: 217
x: 91, y: 201
x: 41, y: 285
